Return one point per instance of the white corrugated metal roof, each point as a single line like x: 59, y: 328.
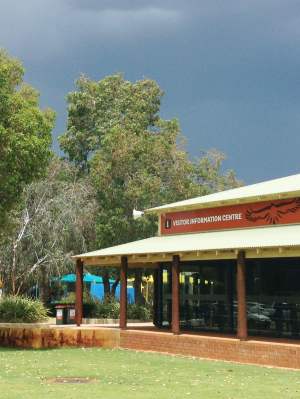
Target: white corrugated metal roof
x: 263, y: 237
x: 264, y: 190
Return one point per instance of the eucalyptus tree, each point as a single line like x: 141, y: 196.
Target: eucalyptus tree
x: 135, y: 158
x: 53, y: 220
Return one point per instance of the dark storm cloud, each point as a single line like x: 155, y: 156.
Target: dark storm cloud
x: 229, y: 68
x: 51, y: 27
x: 122, y: 4
x: 46, y: 28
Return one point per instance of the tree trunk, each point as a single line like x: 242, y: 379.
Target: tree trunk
x: 44, y: 293
x: 138, y: 296
x: 114, y: 287
x: 13, y: 269
x: 106, y: 284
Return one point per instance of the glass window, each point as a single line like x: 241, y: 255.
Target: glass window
x: 273, y: 297
x: 165, y: 301
x: 206, y: 300
x: 206, y: 296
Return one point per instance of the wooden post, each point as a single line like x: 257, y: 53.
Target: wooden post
x: 123, y: 294
x: 175, y: 295
x: 242, y: 330
x: 79, y: 292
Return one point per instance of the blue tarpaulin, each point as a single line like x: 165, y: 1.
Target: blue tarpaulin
x: 97, y: 290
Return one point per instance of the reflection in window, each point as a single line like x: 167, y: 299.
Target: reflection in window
x: 167, y: 297
x: 273, y: 297
x: 206, y: 296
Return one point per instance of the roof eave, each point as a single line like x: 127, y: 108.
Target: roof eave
x: 151, y: 260
x: 213, y: 204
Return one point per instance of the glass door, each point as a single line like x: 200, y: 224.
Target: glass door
x: 206, y: 298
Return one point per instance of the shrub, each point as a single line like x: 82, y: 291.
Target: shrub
x: 138, y: 312
x: 107, y: 309
x: 110, y: 309
x: 71, y: 298
x: 18, y: 309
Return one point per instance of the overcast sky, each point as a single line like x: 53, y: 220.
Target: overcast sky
x: 230, y: 68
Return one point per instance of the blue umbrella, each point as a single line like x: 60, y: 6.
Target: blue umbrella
x: 87, y: 278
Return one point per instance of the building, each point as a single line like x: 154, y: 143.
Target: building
x: 227, y: 262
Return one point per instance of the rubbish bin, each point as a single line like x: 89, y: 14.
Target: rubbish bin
x: 61, y: 314
x: 71, y: 314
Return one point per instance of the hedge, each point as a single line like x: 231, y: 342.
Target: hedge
x: 19, y: 309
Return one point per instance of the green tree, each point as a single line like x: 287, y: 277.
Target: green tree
x: 25, y: 133
x: 135, y: 158
x: 97, y: 107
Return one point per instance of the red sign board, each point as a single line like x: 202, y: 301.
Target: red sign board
x: 233, y: 216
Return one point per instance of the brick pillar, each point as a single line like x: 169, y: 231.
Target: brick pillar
x: 123, y: 294
x: 242, y: 330
x: 79, y: 292
x: 175, y: 295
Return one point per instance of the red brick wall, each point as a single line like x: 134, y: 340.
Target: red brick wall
x: 257, y: 352
x: 282, y: 354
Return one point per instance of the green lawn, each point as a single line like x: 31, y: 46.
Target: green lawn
x: 25, y: 374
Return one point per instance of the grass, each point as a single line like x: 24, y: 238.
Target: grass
x: 127, y: 374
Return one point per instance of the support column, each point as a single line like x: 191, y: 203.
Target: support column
x: 79, y: 292
x: 175, y: 295
x: 123, y: 294
x: 242, y: 329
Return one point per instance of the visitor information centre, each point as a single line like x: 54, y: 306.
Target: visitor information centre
x: 227, y: 262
